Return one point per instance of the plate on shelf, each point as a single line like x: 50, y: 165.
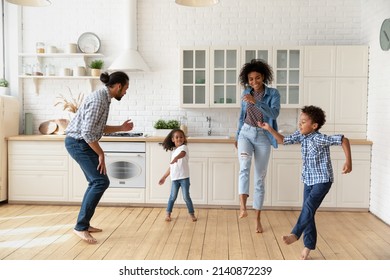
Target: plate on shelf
x: 88, y: 42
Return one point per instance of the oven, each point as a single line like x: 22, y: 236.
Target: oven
x: 125, y: 163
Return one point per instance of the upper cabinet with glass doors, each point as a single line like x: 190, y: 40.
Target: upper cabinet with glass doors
x: 224, y: 85
x: 288, y: 76
x: 194, y: 77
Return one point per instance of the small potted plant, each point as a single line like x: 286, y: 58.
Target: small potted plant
x: 3, y: 87
x: 96, y: 67
x: 164, y: 127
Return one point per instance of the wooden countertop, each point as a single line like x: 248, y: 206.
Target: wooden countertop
x: 145, y: 139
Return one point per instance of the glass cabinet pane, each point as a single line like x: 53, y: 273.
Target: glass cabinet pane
x: 294, y: 59
x: 200, y: 59
x: 261, y: 54
x: 218, y: 95
x: 219, y: 77
x: 281, y: 59
x: 283, y: 94
x: 188, y: 95
x: 200, y: 77
x: 231, y: 76
x: 294, y: 76
x: 281, y: 77
x: 188, y: 59
x: 231, y: 58
x: 249, y: 55
x: 200, y: 95
x: 188, y: 77
x: 219, y: 59
x: 231, y: 94
x: 293, y: 95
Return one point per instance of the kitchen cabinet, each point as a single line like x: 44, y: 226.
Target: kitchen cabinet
x: 249, y: 53
x: 209, y: 77
x: 335, y: 79
x: 38, y: 171
x: 288, y: 76
x: 56, y: 61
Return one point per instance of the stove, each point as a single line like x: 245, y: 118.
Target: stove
x: 124, y: 134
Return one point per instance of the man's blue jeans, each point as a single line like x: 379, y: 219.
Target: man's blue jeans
x: 185, y: 189
x: 312, y: 198
x: 88, y: 160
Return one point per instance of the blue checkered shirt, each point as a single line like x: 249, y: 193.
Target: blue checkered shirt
x: 317, y: 165
x: 91, y: 118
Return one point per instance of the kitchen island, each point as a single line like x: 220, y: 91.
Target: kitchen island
x: 41, y: 171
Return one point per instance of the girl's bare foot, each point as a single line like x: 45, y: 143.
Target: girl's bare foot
x: 259, y: 227
x: 168, y: 218
x: 305, y: 253
x: 86, y: 236
x: 194, y: 219
x: 288, y: 239
x: 243, y: 213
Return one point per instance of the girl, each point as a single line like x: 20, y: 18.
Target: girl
x: 179, y: 170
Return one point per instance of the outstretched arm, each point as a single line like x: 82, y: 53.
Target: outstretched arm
x: 347, y: 168
x: 179, y: 156
x: 279, y: 137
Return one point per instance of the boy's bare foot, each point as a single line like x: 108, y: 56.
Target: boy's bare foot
x: 86, y: 236
x: 168, y: 218
x: 288, y: 239
x: 93, y: 229
x: 243, y: 214
x: 305, y: 253
x: 259, y: 227
x: 194, y: 219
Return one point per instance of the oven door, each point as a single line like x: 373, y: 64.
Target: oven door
x: 126, y: 170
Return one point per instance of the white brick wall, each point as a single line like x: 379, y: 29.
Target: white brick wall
x: 378, y: 106
x: 164, y: 26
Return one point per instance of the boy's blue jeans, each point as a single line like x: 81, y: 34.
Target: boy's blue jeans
x: 312, y: 199
x: 88, y: 160
x: 185, y: 189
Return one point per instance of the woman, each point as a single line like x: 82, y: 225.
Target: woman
x: 259, y: 103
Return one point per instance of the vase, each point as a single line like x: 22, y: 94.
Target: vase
x: 95, y: 72
x: 4, y: 91
x: 162, y: 132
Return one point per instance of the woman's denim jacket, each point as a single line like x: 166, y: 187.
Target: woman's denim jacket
x: 269, y: 106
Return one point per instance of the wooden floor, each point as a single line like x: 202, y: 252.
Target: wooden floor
x: 36, y: 232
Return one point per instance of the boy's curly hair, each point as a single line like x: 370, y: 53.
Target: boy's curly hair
x: 167, y: 144
x: 316, y: 114
x: 259, y: 66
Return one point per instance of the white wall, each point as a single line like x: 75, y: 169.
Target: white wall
x: 378, y: 106
x: 164, y: 26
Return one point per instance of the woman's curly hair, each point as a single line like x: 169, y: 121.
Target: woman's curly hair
x: 168, y: 144
x: 259, y: 66
x: 316, y: 114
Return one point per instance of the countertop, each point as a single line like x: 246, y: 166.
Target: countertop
x: 146, y: 139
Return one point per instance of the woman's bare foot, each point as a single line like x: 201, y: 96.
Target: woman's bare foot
x: 288, y: 239
x: 86, y: 236
x: 259, y: 227
x: 243, y: 214
x: 305, y: 253
x: 194, y: 219
x: 93, y: 229
x: 168, y: 218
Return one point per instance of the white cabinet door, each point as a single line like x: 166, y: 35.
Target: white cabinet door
x: 320, y: 61
x: 223, y: 180
x: 157, y: 164
x: 352, y: 61
x: 198, y: 180
x: 287, y: 187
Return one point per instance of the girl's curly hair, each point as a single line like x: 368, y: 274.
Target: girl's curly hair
x: 316, y: 114
x: 168, y: 144
x: 259, y: 66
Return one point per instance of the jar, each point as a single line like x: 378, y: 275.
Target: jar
x: 40, y: 47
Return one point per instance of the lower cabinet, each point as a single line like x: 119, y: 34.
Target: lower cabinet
x: 42, y: 171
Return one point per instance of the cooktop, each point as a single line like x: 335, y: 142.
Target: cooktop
x: 125, y: 134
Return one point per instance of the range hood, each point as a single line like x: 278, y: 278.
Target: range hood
x: 130, y: 60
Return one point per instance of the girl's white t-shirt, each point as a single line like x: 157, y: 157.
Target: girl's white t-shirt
x: 180, y: 169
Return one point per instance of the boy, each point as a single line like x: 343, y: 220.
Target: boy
x: 317, y: 173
